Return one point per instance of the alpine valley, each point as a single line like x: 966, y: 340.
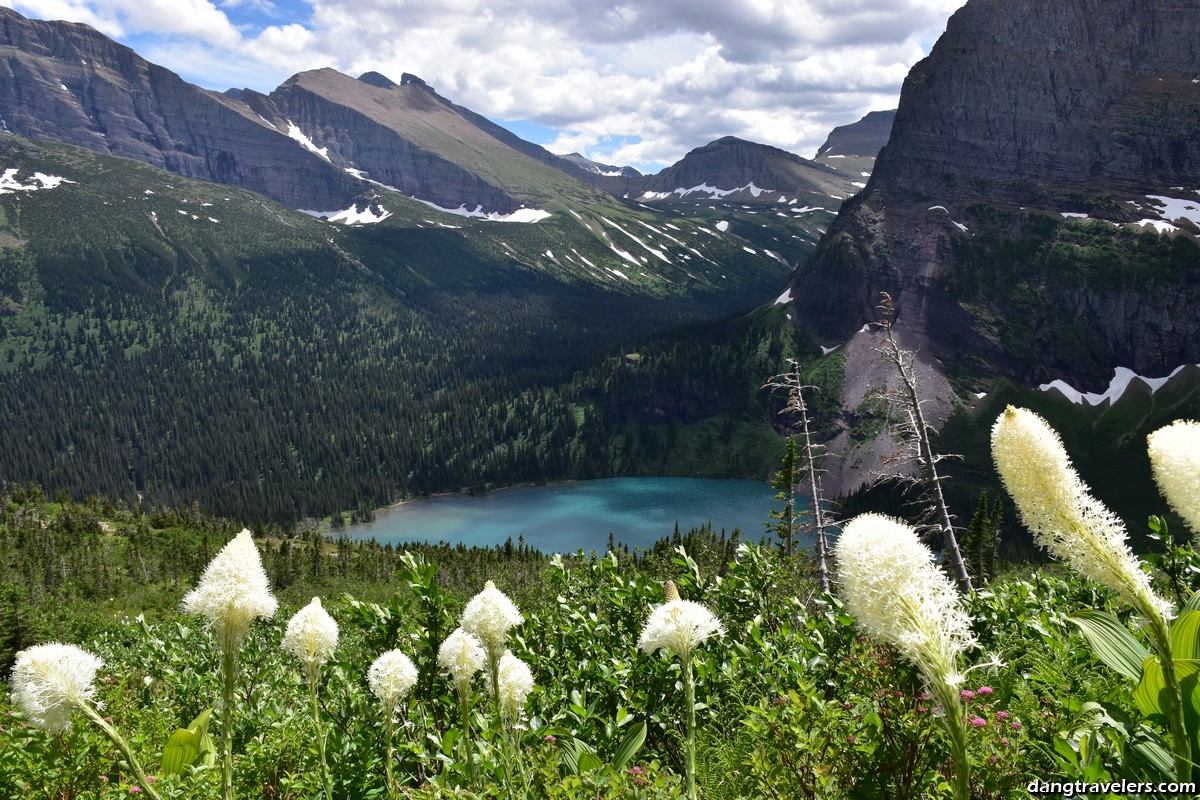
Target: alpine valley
x: 351, y: 291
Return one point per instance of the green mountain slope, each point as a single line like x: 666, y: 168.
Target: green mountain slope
x: 180, y: 341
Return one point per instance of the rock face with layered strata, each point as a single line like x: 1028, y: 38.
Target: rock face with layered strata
x: 67, y: 82
x: 1023, y: 110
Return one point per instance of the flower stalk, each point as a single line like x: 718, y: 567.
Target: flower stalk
x: 895, y: 589
x: 232, y: 593
x: 1057, y: 506
x: 680, y: 626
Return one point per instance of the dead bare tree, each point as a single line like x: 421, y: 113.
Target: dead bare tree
x: 916, y: 434
x: 797, y: 409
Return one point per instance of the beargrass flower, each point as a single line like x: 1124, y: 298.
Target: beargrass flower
x: 391, y: 677
x: 516, y: 682
x: 462, y: 655
x: 893, y: 586
x: 489, y: 615
x: 312, y: 636
x: 1065, y: 519
x: 1175, y: 459
x: 52, y: 681
x: 232, y: 592
x: 679, y: 626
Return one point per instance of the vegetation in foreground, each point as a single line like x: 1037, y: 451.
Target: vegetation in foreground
x: 794, y: 695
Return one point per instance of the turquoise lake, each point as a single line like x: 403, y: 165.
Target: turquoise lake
x: 562, y: 518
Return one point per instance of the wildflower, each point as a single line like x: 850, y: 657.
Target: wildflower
x: 461, y: 654
x: 984, y: 690
x: 147, y: 681
x: 979, y: 722
x: 1064, y: 518
x: 893, y: 586
x: 1175, y: 459
x: 233, y: 591
x: 1002, y: 715
x: 1004, y: 742
x: 966, y: 694
x: 678, y: 625
x: 1015, y: 725
x: 391, y: 677
x: 489, y: 615
x: 516, y: 682
x: 51, y: 681
x: 899, y: 596
x: 311, y: 636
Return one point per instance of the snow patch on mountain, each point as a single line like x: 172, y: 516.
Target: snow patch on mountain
x: 1122, y: 377
x: 305, y: 142
x: 9, y: 182
x: 520, y: 215
x: 351, y: 215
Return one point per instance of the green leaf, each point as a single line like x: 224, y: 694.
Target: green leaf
x: 1185, y: 636
x: 1112, y: 642
x: 572, y: 756
x: 589, y: 762
x: 189, y: 746
x: 1151, y: 698
x: 182, y: 750
x: 1193, y: 603
x: 630, y: 745
x: 1146, y: 695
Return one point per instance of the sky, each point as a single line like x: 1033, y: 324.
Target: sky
x: 636, y: 83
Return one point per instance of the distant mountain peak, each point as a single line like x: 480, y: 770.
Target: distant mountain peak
x: 378, y: 80
x: 862, y: 138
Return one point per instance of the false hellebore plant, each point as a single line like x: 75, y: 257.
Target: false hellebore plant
x: 1057, y: 507
x: 52, y: 681
x: 679, y: 626
x: 232, y: 593
x: 893, y: 586
x: 312, y: 636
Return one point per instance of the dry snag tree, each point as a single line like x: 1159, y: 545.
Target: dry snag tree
x: 797, y: 409
x: 916, y: 434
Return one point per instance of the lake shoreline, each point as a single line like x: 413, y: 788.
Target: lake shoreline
x: 565, y: 516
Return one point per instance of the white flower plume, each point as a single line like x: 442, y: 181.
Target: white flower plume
x: 516, y: 682
x: 893, y: 586
x: 312, y: 636
x: 391, y: 677
x: 1175, y: 459
x: 489, y: 615
x: 1065, y: 519
x: 462, y: 655
x: 679, y: 626
x: 50, y: 681
x: 233, y: 591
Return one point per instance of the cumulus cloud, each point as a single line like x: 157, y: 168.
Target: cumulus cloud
x: 639, y: 81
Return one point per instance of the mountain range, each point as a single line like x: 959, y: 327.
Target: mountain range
x: 1033, y: 216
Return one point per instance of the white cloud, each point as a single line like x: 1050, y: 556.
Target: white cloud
x: 641, y: 81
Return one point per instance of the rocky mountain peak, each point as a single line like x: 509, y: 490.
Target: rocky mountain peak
x: 378, y: 80
x: 1028, y: 108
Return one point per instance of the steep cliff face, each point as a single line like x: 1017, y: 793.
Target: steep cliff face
x: 69, y: 83
x: 1025, y: 110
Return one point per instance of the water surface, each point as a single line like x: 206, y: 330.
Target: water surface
x: 565, y: 517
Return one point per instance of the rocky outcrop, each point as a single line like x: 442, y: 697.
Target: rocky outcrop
x: 863, y: 138
x: 1024, y: 109
x: 69, y: 83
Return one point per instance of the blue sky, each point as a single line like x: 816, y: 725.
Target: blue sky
x: 640, y: 82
